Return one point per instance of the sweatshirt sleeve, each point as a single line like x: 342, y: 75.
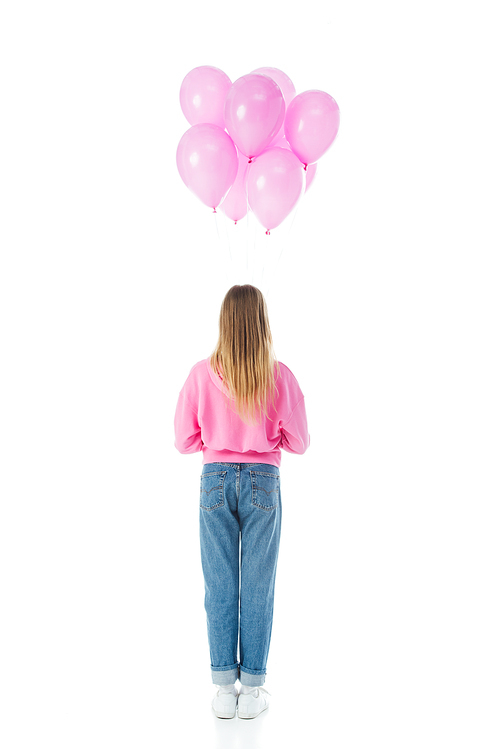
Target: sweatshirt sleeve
x: 186, y: 426
x: 294, y: 433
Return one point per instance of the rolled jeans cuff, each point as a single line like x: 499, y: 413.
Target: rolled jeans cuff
x: 225, y: 675
x: 252, y: 678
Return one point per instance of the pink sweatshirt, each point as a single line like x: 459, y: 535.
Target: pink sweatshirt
x: 203, y: 422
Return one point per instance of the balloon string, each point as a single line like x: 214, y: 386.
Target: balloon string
x: 248, y: 215
x: 285, y: 239
x: 220, y: 244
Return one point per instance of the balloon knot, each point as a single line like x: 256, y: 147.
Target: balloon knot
x: 305, y: 168
x: 235, y: 223
x: 214, y: 211
x: 267, y: 231
x: 250, y: 160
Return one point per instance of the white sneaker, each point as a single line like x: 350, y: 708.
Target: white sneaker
x: 224, y: 705
x: 253, y: 704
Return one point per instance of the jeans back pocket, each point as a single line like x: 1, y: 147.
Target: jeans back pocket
x: 212, y: 489
x: 265, y: 489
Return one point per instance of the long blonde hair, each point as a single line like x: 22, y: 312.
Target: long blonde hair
x: 244, y: 355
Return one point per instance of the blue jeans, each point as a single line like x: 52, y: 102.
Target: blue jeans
x: 239, y: 500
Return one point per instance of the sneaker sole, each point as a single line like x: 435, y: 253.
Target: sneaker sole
x: 223, y: 715
x: 248, y: 717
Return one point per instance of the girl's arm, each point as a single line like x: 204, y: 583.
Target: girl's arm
x: 294, y: 433
x: 186, y: 426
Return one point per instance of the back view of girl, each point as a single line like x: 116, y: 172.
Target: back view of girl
x: 240, y: 407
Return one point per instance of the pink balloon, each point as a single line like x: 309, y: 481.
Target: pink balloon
x: 311, y: 168
x: 287, y: 89
x: 279, y: 143
x: 311, y: 124
x: 207, y: 162
x: 203, y: 95
x: 275, y: 181
x: 235, y: 204
x: 310, y: 175
x: 283, y: 81
x: 254, y: 113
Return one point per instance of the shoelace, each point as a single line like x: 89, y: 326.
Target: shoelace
x: 261, y: 689
x: 239, y: 694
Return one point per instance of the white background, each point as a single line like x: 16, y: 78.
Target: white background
x: 384, y: 304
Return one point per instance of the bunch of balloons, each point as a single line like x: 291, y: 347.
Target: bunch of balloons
x: 252, y: 143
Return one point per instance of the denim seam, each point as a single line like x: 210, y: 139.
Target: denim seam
x: 220, y: 488
x: 264, y: 507
x: 221, y: 463
x: 253, y: 475
x: 264, y: 473
x: 214, y: 507
x: 262, y: 672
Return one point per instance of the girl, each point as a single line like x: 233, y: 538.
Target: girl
x: 240, y: 407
